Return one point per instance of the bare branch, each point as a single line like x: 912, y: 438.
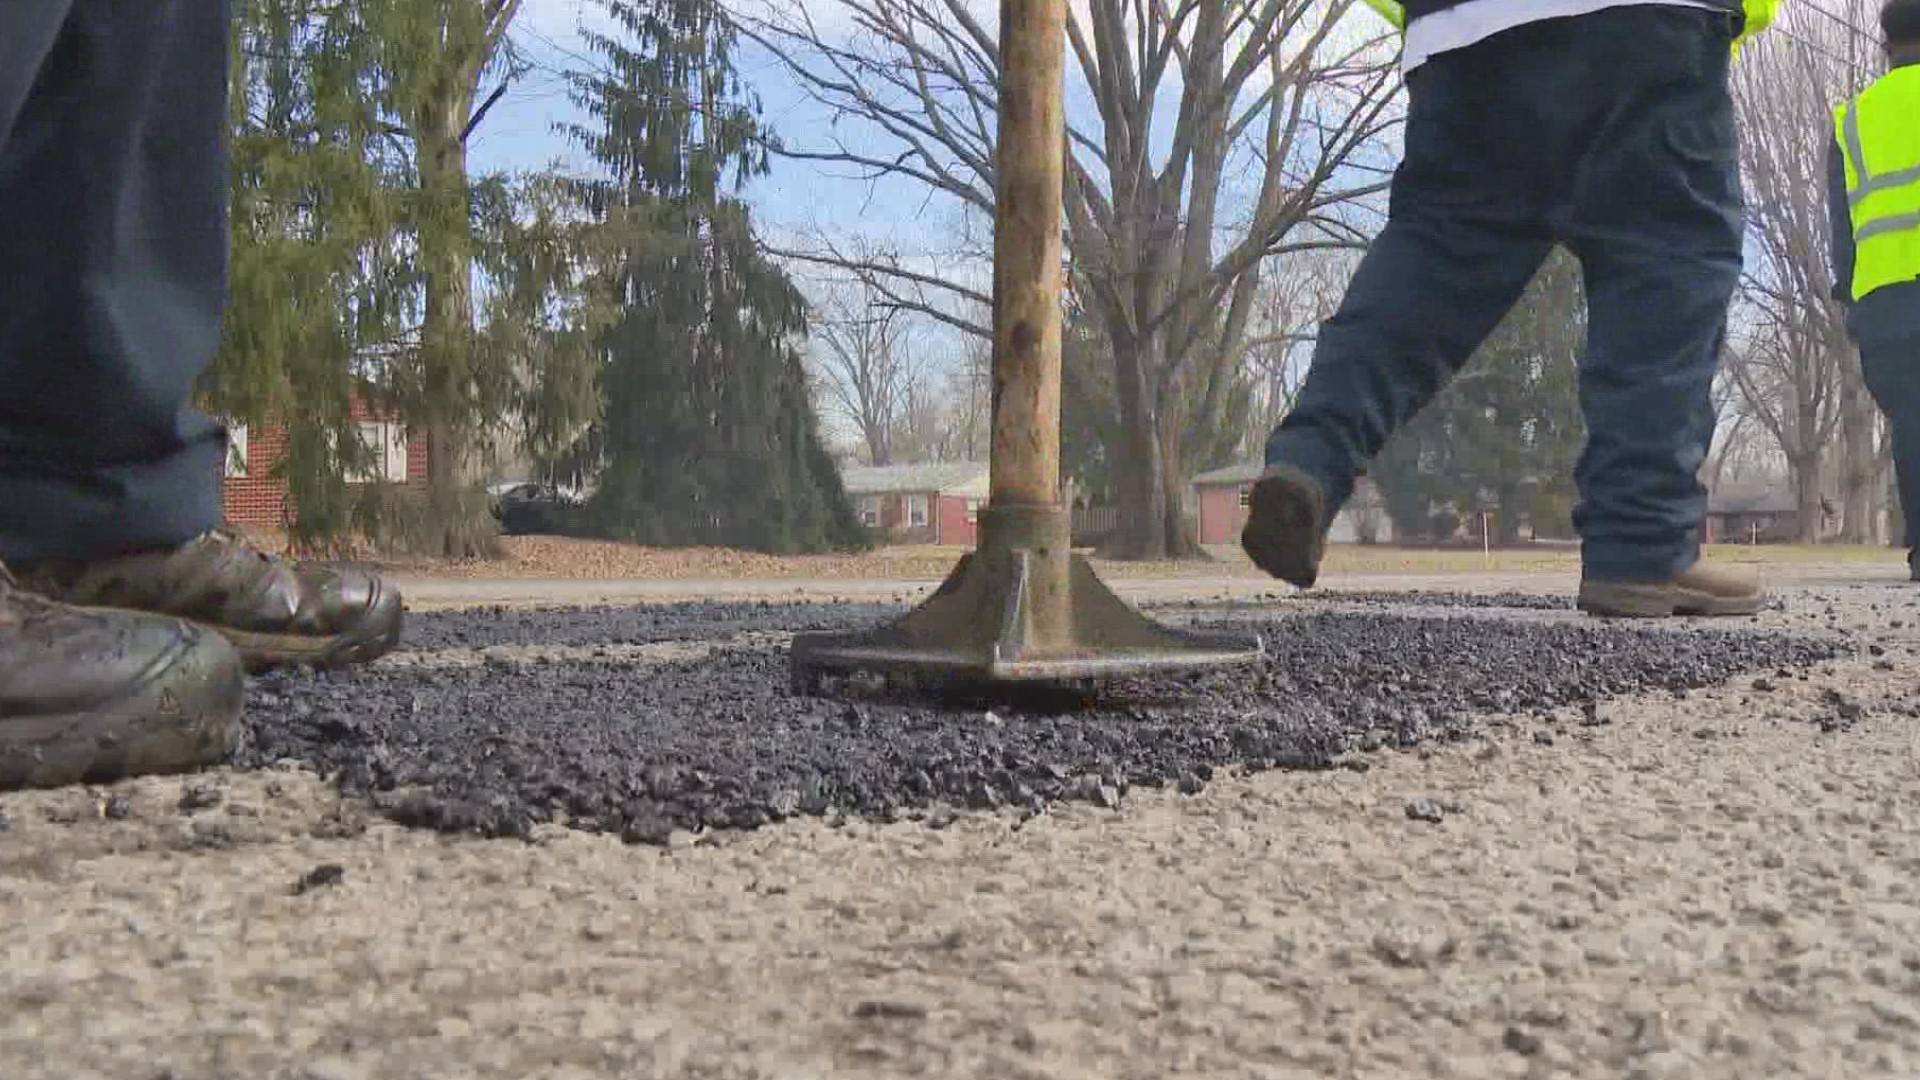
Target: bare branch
x: 1209, y: 135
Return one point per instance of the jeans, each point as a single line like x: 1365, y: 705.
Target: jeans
x: 113, y: 259
x: 1887, y: 324
x: 1612, y: 134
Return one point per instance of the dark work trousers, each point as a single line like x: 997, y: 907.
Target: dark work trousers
x: 1887, y: 325
x: 113, y: 251
x: 1612, y: 133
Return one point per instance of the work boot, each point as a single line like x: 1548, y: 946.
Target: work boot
x: 1286, y: 530
x: 277, y: 613
x: 1698, y: 590
x: 92, y: 696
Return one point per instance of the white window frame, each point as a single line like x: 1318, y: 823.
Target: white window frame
x: 919, y: 514
x: 399, y: 454
x: 237, y: 459
x: 870, y: 511
x: 386, y: 446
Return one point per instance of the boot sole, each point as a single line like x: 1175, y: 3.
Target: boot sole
x: 183, y: 715
x: 1283, y: 535
x: 1622, y: 600
x: 373, y: 637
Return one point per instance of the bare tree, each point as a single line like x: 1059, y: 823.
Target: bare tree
x: 933, y: 424
x: 1299, y: 293
x: 865, y: 367
x: 1791, y: 360
x: 1742, y: 449
x: 970, y: 400
x: 1214, y: 134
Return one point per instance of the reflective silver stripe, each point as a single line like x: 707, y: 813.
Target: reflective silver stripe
x: 1884, y: 182
x: 1886, y: 225
x: 1867, y: 185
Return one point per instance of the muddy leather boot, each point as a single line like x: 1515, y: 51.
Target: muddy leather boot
x: 277, y: 613
x: 93, y: 696
x: 1286, y: 526
x: 1699, y: 590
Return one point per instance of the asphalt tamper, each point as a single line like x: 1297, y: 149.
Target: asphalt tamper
x: 1022, y: 608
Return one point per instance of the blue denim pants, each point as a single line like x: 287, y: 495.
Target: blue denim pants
x: 113, y: 259
x: 1887, y: 325
x: 1612, y: 134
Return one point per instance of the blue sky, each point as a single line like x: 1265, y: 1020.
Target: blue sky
x: 796, y: 203
x: 798, y: 195
x: 797, y: 199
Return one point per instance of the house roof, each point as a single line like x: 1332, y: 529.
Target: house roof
x: 1751, y: 499
x: 1245, y: 472
x: 946, y: 478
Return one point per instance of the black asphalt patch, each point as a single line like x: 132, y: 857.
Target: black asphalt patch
x: 641, y: 625
x: 721, y: 742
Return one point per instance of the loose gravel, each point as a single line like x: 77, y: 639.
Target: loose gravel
x: 1460, y: 600
x: 1713, y: 884
x: 644, y: 749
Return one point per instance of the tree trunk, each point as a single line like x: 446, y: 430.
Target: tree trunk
x: 1805, y: 468
x: 1139, y: 494
x: 879, y: 444
x: 1888, y: 481
x: 1149, y: 474
x: 1179, y: 542
x: 445, y: 239
x: 1859, y: 462
x: 1509, y: 515
x: 1896, y: 516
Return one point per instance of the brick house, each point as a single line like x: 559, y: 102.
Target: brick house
x: 253, y: 495
x: 1221, y: 498
x: 920, y: 504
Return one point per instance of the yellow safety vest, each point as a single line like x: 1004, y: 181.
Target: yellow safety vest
x: 1760, y: 15
x: 1879, y: 134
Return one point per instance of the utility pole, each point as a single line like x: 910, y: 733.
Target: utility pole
x: 1023, y: 608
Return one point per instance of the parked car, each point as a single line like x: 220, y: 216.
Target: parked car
x: 531, y: 508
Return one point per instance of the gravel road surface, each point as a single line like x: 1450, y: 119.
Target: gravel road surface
x: 1578, y: 850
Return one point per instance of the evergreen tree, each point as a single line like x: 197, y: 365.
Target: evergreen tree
x: 709, y: 434
x: 543, y: 317
x: 358, y: 232
x: 316, y: 277
x: 1505, y: 434
x: 433, y: 61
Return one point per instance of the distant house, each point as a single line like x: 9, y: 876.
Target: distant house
x: 1752, y: 514
x: 1221, y: 498
x: 253, y: 494
x: 920, y: 504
